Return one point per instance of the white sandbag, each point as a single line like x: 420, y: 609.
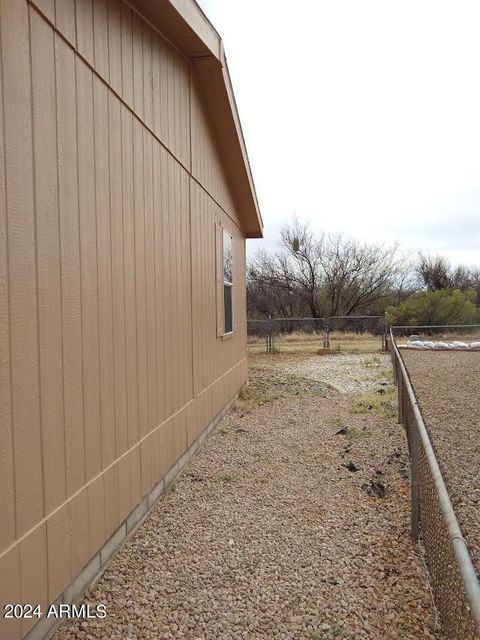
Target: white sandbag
x: 445, y: 346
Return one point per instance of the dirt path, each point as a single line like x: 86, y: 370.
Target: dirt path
x: 291, y: 523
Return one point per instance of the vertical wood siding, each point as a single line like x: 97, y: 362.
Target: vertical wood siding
x: 111, y: 186
x: 68, y: 209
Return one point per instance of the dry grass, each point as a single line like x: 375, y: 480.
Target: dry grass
x: 253, y: 340
x: 301, y: 336
x: 383, y: 401
x: 250, y: 398
x: 355, y: 342
x: 297, y: 341
x: 352, y: 433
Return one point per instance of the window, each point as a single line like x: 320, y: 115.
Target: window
x: 224, y: 282
x: 227, y: 282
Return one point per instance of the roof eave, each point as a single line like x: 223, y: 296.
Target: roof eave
x: 184, y: 23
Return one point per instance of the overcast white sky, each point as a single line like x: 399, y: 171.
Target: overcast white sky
x: 362, y: 116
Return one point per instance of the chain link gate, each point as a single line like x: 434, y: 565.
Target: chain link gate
x: 274, y: 330
x: 340, y: 326
x: 331, y: 332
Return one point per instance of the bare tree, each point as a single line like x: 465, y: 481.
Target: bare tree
x: 433, y: 272
x: 358, y: 274
x: 322, y: 275
x: 475, y: 281
x: 270, y: 290
x: 301, y: 257
x: 436, y: 272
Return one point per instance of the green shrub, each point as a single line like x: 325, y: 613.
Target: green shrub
x: 445, y: 306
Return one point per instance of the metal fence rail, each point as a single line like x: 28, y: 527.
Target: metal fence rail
x: 454, y: 581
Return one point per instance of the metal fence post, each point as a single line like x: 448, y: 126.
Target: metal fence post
x: 326, y: 335
x: 385, y: 331
x: 270, y: 335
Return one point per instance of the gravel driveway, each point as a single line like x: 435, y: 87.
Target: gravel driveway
x: 291, y: 523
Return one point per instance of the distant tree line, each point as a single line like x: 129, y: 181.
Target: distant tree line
x: 443, y: 295
x: 320, y: 275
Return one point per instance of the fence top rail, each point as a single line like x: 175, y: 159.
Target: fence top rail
x: 354, y: 317
x: 457, y: 541
x: 299, y: 318
x: 317, y: 319
x: 272, y: 319
x: 433, y: 326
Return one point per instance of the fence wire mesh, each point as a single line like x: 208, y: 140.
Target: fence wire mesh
x: 368, y: 332
x: 346, y: 333
x: 453, y: 578
x: 447, y: 583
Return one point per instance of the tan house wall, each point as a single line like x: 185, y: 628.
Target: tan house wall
x: 110, y: 366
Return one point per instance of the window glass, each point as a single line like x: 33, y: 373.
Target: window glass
x: 227, y: 257
x: 227, y: 282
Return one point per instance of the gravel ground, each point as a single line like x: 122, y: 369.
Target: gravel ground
x: 291, y: 523
x: 447, y: 385
x: 348, y: 373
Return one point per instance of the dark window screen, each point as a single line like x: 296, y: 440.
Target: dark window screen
x: 227, y: 305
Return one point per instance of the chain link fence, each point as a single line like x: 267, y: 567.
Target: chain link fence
x: 453, y: 579
x: 440, y: 332
x: 339, y: 333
